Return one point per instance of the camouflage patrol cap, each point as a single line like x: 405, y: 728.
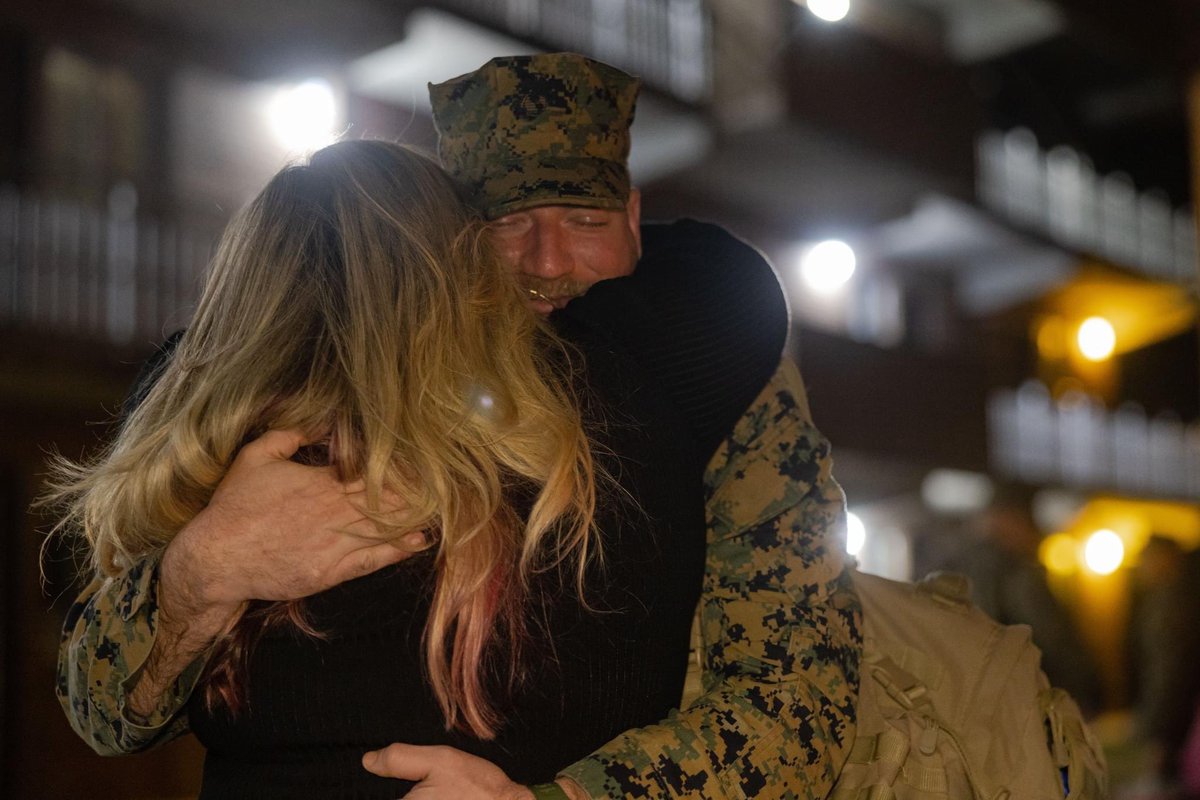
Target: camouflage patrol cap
x: 525, y: 131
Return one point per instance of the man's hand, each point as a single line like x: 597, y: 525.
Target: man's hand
x: 450, y: 774
x: 274, y: 530
x: 277, y: 530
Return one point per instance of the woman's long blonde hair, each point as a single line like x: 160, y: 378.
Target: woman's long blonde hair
x: 356, y: 297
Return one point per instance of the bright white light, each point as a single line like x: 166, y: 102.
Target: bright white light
x: 829, y: 10
x: 1104, y: 552
x: 303, y: 117
x: 953, y: 491
x: 1097, y: 338
x: 856, y: 534
x: 827, y: 266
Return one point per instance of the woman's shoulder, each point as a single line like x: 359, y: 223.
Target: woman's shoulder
x: 688, y: 264
x: 703, y: 313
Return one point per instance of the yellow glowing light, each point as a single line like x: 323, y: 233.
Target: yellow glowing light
x: 829, y: 10
x: 1097, y: 338
x: 1052, y: 337
x: 1141, y: 312
x: 856, y: 534
x: 1104, y: 552
x: 1135, y: 520
x: 1059, y: 552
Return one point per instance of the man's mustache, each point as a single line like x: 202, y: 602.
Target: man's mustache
x: 554, y: 289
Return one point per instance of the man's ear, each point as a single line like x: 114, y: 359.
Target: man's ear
x: 633, y: 217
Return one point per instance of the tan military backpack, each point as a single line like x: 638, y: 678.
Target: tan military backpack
x: 955, y: 706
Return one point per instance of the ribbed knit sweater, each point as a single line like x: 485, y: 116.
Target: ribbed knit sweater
x: 674, y: 354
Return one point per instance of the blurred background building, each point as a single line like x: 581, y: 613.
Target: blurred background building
x: 983, y: 211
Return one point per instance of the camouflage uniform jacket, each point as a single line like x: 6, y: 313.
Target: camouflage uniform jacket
x: 780, y: 631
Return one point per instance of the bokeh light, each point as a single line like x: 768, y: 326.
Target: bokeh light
x: 827, y: 266
x: 1052, y: 338
x: 303, y: 117
x: 856, y: 534
x: 1096, y: 338
x: 1104, y: 552
x: 1059, y: 553
x: 829, y: 10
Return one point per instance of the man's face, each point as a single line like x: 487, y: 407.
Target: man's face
x: 560, y: 251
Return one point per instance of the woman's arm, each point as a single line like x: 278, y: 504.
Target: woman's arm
x: 703, y: 314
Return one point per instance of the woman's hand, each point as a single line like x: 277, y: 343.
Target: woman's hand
x: 450, y: 774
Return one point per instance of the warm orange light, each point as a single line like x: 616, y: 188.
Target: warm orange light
x: 1096, y: 339
x: 1135, y: 520
x: 1140, y: 312
x: 1059, y: 552
x: 1104, y: 552
x: 1052, y: 338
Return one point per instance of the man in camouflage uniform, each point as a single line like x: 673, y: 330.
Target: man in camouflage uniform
x: 539, y: 145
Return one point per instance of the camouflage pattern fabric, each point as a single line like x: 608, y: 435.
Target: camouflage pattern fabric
x: 524, y: 131
x: 781, y: 632
x: 107, y: 637
x: 780, y: 628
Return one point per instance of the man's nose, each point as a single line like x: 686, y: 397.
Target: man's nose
x: 550, y: 255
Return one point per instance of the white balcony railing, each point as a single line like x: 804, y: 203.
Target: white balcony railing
x: 668, y: 43
x: 1059, y: 195
x: 97, y: 273
x: 1075, y: 441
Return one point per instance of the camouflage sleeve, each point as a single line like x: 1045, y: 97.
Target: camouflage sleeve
x: 781, y: 628
x: 107, y: 636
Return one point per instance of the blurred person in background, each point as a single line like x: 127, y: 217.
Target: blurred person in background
x: 1009, y: 583
x: 1189, y: 760
x: 1164, y: 655
x: 774, y: 554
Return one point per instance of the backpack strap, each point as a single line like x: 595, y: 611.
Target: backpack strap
x: 1077, y: 754
x: 884, y: 755
x: 888, y: 750
x: 887, y: 753
x: 902, y: 686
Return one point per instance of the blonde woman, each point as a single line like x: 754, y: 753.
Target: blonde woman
x: 522, y: 544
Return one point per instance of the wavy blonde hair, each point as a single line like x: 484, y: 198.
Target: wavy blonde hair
x: 356, y: 295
